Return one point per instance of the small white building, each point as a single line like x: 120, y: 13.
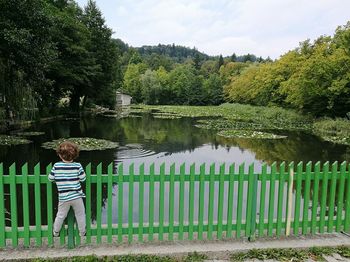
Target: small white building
x: 122, y: 99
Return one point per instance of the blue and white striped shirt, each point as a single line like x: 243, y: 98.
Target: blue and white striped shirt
x: 68, y: 177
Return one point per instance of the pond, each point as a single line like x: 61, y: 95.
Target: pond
x: 152, y: 140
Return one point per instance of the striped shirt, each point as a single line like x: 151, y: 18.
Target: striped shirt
x: 68, y: 177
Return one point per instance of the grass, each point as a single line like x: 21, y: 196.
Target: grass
x: 191, y: 257
x: 281, y: 254
x: 289, y: 254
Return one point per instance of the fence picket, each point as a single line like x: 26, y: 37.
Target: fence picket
x: 25, y: 197
x: 340, y: 195
x: 141, y: 196
x: 181, y: 201
x: 315, y: 198
x: 325, y: 173
x: 281, y: 182
x: 88, y: 203
x: 99, y: 203
x: 2, y: 207
x: 230, y: 200
x: 221, y: 200
x: 249, y: 200
x: 332, y: 197
x: 262, y: 199
x: 211, y: 201
x: 240, y: 200
x: 151, y: 202
x: 347, y: 201
x: 13, y: 202
x: 37, y: 204
x: 131, y: 202
x: 306, y: 198
x: 201, y: 202
x: 110, y: 203
x: 272, y: 199
x: 161, y: 201
x: 299, y: 177
x: 191, y: 203
x: 171, y: 201
x: 120, y: 202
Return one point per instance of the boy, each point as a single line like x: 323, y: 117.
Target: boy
x: 68, y: 175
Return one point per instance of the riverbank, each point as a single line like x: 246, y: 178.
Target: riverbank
x: 241, y: 120
x: 311, y: 248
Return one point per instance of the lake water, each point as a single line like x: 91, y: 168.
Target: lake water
x: 149, y: 140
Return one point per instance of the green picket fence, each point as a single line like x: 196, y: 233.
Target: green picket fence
x: 175, y: 203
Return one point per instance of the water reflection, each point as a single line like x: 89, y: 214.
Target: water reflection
x: 148, y: 140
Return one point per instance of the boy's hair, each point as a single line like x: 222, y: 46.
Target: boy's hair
x: 68, y: 150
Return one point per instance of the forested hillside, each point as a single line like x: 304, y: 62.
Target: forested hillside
x: 56, y: 56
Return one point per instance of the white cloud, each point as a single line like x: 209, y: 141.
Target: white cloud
x: 261, y: 27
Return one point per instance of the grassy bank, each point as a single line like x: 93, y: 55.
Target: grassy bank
x: 242, y: 120
x: 283, y: 254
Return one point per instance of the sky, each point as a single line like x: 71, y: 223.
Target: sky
x: 260, y: 27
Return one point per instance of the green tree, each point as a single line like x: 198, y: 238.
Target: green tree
x: 104, y: 52
x: 75, y: 67
x: 132, y: 81
x: 26, y: 51
x: 213, y: 90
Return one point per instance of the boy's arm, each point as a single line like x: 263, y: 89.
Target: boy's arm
x: 81, y: 174
x: 52, y: 174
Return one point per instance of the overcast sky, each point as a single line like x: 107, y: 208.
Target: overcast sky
x: 261, y: 27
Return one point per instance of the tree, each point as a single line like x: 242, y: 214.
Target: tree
x: 213, y: 90
x: 75, y: 68
x: 104, y: 52
x: 150, y: 87
x: 233, y: 57
x: 26, y: 51
x: 132, y: 81
x: 220, y: 62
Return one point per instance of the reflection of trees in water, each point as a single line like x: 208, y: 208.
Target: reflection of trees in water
x: 164, y: 134
x: 297, y: 147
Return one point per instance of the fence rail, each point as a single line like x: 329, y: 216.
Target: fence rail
x: 200, y: 203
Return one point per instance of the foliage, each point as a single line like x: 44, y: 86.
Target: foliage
x: 26, y: 50
x: 313, y: 78
x: 84, y: 143
x: 51, y: 50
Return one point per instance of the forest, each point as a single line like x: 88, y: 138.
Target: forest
x: 58, y: 57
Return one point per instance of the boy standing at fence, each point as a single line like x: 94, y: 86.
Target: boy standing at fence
x: 67, y: 175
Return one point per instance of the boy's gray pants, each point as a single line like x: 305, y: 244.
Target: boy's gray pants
x: 79, y: 211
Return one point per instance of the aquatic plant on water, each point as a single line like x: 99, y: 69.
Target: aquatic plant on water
x: 84, y: 143
x: 13, y: 140
x: 32, y: 133
x: 249, y: 134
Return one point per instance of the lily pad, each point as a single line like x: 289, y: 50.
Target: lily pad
x: 84, y: 143
x: 248, y: 134
x: 13, y: 140
x: 30, y: 133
